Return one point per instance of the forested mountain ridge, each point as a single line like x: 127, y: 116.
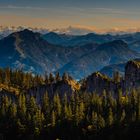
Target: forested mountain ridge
x: 17, y: 81
x: 56, y: 107
x: 29, y: 51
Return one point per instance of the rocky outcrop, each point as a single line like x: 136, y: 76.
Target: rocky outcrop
x: 132, y: 74
x: 61, y: 87
x: 9, y: 91
x: 97, y: 82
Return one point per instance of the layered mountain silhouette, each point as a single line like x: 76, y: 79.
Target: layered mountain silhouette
x: 106, y: 54
x: 71, y: 40
x: 135, y: 46
x: 77, y: 55
x: 29, y: 51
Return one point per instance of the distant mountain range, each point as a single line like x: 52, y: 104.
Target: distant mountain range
x: 29, y: 51
x: 77, y: 40
x: 77, y: 55
x: 106, y: 54
x: 5, y: 30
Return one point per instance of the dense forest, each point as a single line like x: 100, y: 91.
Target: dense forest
x: 75, y: 116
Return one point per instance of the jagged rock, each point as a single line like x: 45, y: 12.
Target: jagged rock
x: 98, y: 82
x: 132, y: 73
x: 61, y: 87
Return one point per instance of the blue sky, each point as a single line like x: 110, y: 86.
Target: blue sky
x: 81, y: 3
x: 92, y: 14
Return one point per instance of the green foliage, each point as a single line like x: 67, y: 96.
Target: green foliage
x: 76, y: 114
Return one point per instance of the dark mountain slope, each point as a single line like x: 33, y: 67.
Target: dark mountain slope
x: 29, y: 51
x: 106, y: 54
x: 109, y: 70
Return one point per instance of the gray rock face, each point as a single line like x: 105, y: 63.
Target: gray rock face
x: 61, y: 88
x: 132, y: 74
x: 98, y: 82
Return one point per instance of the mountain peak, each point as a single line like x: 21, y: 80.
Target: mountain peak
x: 25, y: 32
x: 52, y: 33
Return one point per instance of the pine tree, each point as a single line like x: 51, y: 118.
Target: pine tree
x: 65, y: 77
x: 51, y: 78
x: 46, y: 105
x: 57, y: 105
x: 100, y: 122
x: 2, y: 111
x: 72, y: 102
x: 46, y: 79
x: 94, y: 119
x: 53, y: 118
x: 138, y: 108
x: 133, y: 99
x: 81, y: 111
x: 69, y: 112
x: 123, y: 116
x: 38, y: 119
x: 119, y: 98
x: 110, y: 118
x: 65, y: 99
x: 66, y: 112
x: 22, y: 106
x: 76, y: 115
x: 5, y: 103
x: 32, y: 106
x: 119, y: 104
x: 57, y: 77
x: 13, y: 111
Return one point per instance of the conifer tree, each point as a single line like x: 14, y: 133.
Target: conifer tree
x: 51, y: 78
x: 32, y: 106
x: 66, y: 112
x: 46, y: 79
x: 138, y: 108
x: 53, y: 119
x: 57, y: 77
x: 22, y: 106
x: 46, y: 104
x: 65, y: 77
x: 110, y: 118
x: 76, y: 115
x: 94, y: 119
x: 100, y: 122
x: 57, y: 105
x: 81, y: 111
x: 69, y: 112
x: 13, y: 110
x: 123, y: 116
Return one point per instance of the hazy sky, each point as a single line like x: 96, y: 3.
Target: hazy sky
x: 92, y: 14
